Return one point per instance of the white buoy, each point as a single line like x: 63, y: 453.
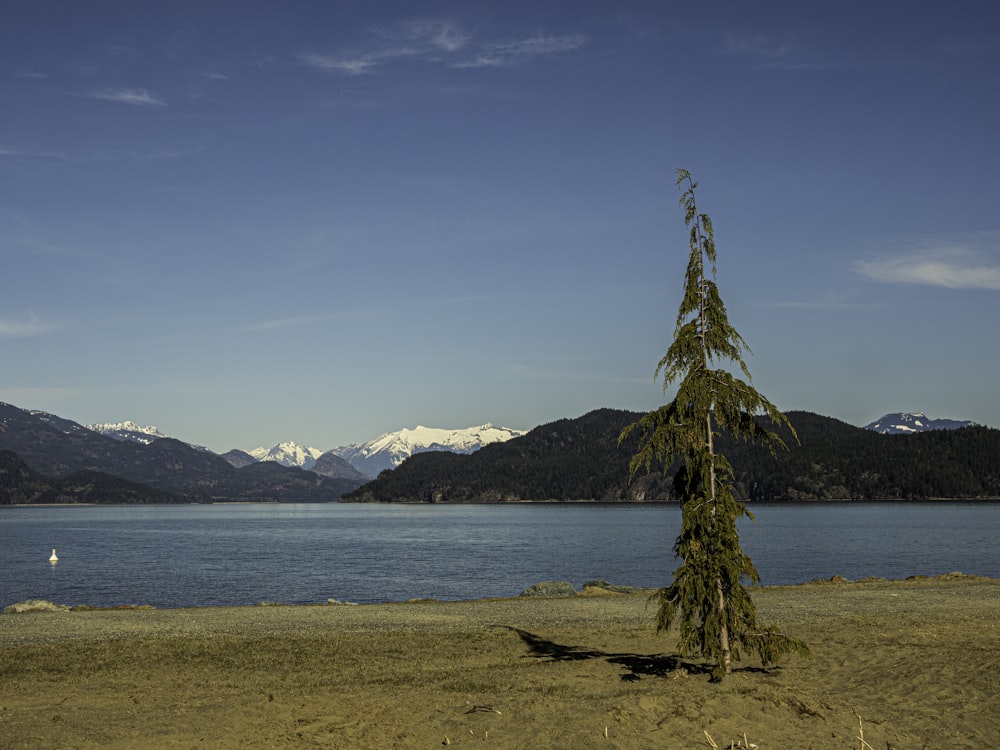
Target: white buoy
x: 53, y: 558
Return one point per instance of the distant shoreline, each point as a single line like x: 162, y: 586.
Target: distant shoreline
x: 671, y: 503
x: 584, y: 593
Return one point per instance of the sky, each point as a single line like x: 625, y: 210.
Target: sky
x: 253, y: 222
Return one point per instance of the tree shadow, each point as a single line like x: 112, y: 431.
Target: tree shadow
x: 636, y: 666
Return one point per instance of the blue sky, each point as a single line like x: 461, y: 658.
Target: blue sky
x: 249, y: 222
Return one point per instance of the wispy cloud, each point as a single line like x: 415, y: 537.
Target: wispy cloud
x: 518, y: 51
x: 15, y: 152
x: 442, y: 35
x: 949, y: 266
x: 437, y: 42
x: 343, y: 65
x: 133, y: 97
x: 32, y: 326
x: 754, y: 45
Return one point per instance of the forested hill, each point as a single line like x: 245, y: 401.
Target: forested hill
x: 580, y: 460
x: 571, y: 459
x: 835, y: 460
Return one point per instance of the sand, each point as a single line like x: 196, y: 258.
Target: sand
x: 913, y: 664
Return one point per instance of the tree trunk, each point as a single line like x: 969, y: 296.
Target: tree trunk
x: 725, y: 660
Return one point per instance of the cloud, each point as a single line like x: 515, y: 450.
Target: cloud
x: 754, y: 45
x: 133, y: 97
x: 442, y: 35
x: 13, y: 152
x: 436, y: 42
x: 428, y: 41
x: 22, y: 328
x: 517, y: 51
x: 952, y: 267
x: 344, y: 66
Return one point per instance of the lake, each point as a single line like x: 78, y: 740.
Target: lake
x: 190, y: 555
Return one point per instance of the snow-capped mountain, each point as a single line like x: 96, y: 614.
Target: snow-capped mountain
x: 390, y: 450
x: 128, y: 431
x: 288, y: 454
x: 904, y: 423
x: 384, y: 452
x: 131, y: 432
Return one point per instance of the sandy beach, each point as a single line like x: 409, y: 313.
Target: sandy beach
x: 918, y: 661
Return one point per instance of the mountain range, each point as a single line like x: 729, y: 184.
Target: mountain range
x: 581, y: 460
x: 288, y: 454
x: 54, y: 457
x: 45, y: 458
x: 907, y: 423
x: 368, y: 459
x: 390, y: 450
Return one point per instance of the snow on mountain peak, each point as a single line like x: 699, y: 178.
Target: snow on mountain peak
x: 390, y: 449
x: 128, y: 431
x: 288, y: 454
x: 905, y: 423
x: 421, y: 437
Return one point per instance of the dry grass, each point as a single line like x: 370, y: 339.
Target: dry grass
x: 567, y: 673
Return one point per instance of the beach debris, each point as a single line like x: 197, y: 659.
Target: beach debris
x: 485, y: 709
x: 739, y: 744
x: 35, y: 605
x: 609, y: 587
x: 550, y: 588
x: 109, y: 608
x: 861, y: 733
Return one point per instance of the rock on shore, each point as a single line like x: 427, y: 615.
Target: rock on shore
x: 34, y: 605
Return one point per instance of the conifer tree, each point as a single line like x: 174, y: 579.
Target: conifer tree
x: 716, y: 616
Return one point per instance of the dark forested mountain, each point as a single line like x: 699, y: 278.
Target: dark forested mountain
x: 838, y: 461
x: 331, y: 465
x: 56, y: 449
x: 568, y: 460
x: 238, y: 458
x: 18, y: 483
x: 21, y: 485
x: 579, y: 460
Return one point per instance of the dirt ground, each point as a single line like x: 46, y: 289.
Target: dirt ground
x: 912, y: 664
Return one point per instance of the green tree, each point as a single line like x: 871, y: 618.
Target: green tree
x: 716, y: 615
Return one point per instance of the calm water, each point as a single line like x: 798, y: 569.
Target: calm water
x: 175, y: 556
